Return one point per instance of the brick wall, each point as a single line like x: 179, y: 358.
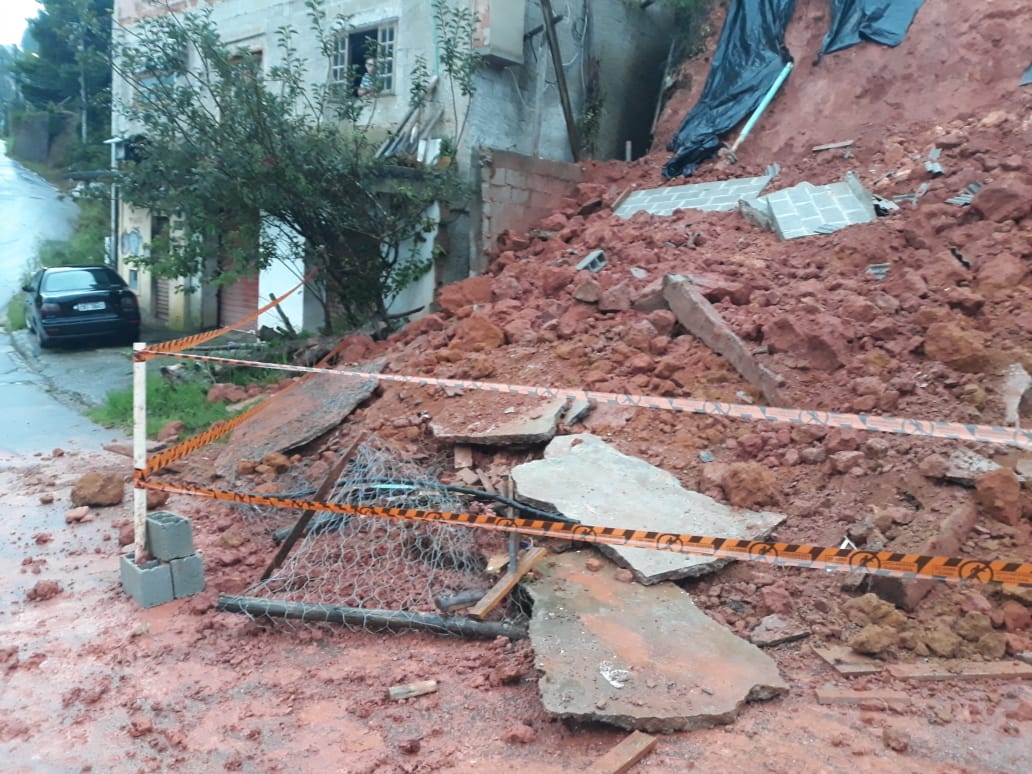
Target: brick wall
x: 517, y: 191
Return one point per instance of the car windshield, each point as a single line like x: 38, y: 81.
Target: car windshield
x: 80, y: 279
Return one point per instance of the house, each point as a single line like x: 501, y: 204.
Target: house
x: 515, y: 147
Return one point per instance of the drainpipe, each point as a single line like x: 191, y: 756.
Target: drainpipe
x: 112, y: 258
x: 763, y: 105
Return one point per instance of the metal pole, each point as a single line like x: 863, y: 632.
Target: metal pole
x: 560, y: 77
x: 139, y: 450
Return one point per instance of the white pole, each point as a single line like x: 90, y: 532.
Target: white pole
x: 139, y: 450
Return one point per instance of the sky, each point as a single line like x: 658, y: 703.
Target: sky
x: 13, y: 14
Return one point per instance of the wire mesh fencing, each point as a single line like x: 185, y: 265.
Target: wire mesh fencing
x: 382, y: 573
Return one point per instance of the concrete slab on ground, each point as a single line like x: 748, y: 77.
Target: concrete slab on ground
x: 586, y: 479
x: 515, y: 421
x: 806, y: 209
x: 718, y: 196
x: 310, y: 408
x: 636, y: 657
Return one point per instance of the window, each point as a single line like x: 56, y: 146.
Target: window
x: 350, y: 52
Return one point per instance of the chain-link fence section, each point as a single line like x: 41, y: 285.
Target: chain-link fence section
x: 393, y: 570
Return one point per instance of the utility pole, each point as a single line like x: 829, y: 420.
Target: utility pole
x: 560, y: 77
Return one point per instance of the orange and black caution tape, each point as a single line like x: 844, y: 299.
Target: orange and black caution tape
x: 178, y: 345
x: 887, y: 563
x: 955, y: 431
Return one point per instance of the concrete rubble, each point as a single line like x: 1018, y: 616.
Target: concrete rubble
x: 717, y: 196
x: 638, y: 658
x: 806, y: 209
x: 586, y: 479
x: 521, y: 422
x: 699, y: 318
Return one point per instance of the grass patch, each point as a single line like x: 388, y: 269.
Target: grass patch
x: 186, y: 402
x: 16, y: 314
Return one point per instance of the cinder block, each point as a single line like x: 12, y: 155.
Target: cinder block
x: 169, y: 536
x: 187, y: 576
x: 149, y: 584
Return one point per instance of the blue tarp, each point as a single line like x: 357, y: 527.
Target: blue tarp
x: 749, y: 56
x: 880, y: 21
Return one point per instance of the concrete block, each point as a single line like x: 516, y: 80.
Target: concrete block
x: 593, y: 261
x: 187, y: 576
x: 169, y: 535
x: 149, y: 584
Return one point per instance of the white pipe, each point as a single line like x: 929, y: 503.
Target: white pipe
x: 139, y: 450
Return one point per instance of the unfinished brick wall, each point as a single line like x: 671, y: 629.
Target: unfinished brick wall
x: 517, y: 191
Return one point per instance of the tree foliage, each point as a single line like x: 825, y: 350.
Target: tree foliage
x: 226, y: 143
x: 70, y: 67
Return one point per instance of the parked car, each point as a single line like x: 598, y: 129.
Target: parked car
x: 69, y: 303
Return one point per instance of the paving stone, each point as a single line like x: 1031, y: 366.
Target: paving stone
x: 636, y: 657
x: 586, y: 479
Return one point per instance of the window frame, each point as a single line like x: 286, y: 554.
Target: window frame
x: 344, y: 71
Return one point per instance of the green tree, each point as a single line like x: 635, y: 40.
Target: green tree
x: 225, y: 142
x: 70, y: 67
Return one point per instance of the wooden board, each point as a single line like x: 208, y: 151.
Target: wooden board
x: 497, y: 593
x: 961, y: 670
x: 408, y: 690
x: 622, y: 757
x: 832, y: 146
x: 832, y: 695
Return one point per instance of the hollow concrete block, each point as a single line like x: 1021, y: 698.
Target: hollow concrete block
x: 187, y: 576
x: 169, y: 536
x: 149, y: 584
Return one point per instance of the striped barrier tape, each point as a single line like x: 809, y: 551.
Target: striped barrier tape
x: 885, y: 563
x: 955, y: 431
x: 177, y: 345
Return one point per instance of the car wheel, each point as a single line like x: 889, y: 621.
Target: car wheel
x: 45, y: 342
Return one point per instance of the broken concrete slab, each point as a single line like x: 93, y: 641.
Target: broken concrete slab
x: 699, y: 318
x: 638, y: 658
x: 843, y: 696
x: 774, y: 630
x: 586, y: 479
x: 509, y: 420
x: 316, y: 405
x: 965, y: 467
x: 578, y: 409
x: 718, y: 196
x: 947, y: 535
x: 806, y: 209
x: 848, y: 662
x: 1016, y: 385
x: 961, y: 670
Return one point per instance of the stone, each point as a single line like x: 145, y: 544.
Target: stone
x: 96, y: 488
x: 965, y: 467
x: 749, y: 485
x: 75, y: 515
x: 1007, y: 198
x: 615, y: 299
x: 1016, y: 617
x: 998, y: 494
x: 476, y: 334
x: 584, y: 478
x: 171, y: 431
x: 533, y: 421
x: 960, y: 349
x: 873, y: 639
x: 677, y: 671
x: 775, y: 630
x: 454, y: 297
x: 895, y: 739
x: 819, y: 341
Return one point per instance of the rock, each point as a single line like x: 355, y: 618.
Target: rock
x: 171, y: 431
x: 749, y: 485
x: 972, y: 626
x: 520, y: 733
x: 615, y: 299
x: 991, y: 645
x: 933, y: 466
x: 844, y: 462
x: 1016, y: 617
x: 1007, y: 198
x: 75, y: 515
x: 940, y: 640
x: 126, y: 535
x: 46, y: 499
x: 818, y: 341
x: 775, y: 630
x: 477, y: 334
x: 960, y: 349
x: 456, y: 296
x: 776, y: 598
x: 588, y: 291
x: 43, y: 590
x: 95, y: 488
x: 874, y: 639
x: 156, y: 499
x: 998, y: 494
x: 895, y: 739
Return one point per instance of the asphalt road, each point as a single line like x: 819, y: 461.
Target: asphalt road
x: 42, y: 394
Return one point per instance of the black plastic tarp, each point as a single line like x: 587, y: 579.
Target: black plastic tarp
x: 880, y: 21
x: 750, y: 55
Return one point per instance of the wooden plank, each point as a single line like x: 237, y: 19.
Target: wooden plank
x: 485, y: 481
x: 625, y: 755
x: 408, y: 690
x: 831, y: 695
x: 847, y: 662
x: 497, y: 593
x: 961, y: 670
x: 832, y: 146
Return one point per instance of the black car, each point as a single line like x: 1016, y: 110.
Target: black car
x: 69, y: 303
